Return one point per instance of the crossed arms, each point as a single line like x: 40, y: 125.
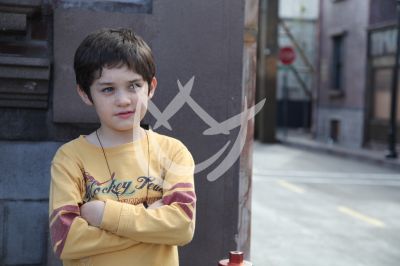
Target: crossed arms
x: 98, y: 227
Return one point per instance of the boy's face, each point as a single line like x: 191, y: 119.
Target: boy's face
x: 120, y: 98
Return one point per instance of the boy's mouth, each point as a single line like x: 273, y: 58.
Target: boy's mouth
x: 125, y: 115
x: 127, y: 112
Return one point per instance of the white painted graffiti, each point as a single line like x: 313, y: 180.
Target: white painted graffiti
x: 183, y: 97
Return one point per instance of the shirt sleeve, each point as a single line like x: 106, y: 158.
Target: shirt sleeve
x: 71, y: 236
x: 171, y: 224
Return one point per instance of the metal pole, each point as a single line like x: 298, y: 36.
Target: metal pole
x: 285, y: 103
x: 393, y: 105
x: 267, y: 70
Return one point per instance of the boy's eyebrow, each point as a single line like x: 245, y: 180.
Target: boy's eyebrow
x: 111, y: 83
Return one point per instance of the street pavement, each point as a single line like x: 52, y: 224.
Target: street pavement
x: 314, y: 209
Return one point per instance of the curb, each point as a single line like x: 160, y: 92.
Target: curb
x: 360, y: 155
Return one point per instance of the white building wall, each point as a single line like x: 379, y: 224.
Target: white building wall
x: 300, y: 16
x: 305, y: 9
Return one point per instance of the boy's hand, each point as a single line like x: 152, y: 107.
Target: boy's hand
x: 92, y: 212
x: 156, y: 204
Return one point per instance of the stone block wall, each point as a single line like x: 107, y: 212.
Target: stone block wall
x: 351, y: 125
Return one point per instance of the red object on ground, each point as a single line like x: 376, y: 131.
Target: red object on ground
x: 235, y: 259
x: 287, y: 55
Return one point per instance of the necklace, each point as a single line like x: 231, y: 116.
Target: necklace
x: 145, y: 204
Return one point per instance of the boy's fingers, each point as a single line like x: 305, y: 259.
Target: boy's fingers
x: 92, y: 212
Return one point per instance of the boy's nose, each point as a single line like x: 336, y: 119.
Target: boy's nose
x: 122, y: 98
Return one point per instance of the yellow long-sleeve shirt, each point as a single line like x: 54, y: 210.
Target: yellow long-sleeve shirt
x: 129, y: 233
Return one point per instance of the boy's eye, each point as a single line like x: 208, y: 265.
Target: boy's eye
x: 108, y: 89
x: 135, y: 86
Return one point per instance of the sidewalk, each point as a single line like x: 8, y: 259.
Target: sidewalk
x: 298, y: 139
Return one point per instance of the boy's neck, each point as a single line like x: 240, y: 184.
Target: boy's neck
x: 111, y: 138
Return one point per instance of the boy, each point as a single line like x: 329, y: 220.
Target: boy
x: 121, y: 195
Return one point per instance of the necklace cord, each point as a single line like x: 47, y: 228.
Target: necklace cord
x: 145, y: 204
x: 105, y: 157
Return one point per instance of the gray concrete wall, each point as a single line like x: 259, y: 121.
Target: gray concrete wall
x: 339, y: 17
x: 351, y: 125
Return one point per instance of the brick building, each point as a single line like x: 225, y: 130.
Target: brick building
x: 357, y: 42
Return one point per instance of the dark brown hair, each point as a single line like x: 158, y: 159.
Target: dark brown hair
x: 112, y: 48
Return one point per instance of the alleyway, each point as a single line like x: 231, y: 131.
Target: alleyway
x: 312, y: 209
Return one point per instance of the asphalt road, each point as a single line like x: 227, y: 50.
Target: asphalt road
x: 313, y: 209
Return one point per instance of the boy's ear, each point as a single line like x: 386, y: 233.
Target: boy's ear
x: 83, y: 95
x: 153, y: 86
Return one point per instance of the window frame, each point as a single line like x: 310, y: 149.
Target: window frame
x: 337, y: 62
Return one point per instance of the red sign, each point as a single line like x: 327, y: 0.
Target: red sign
x: 287, y: 55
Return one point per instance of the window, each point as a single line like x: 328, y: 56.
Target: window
x: 382, y: 94
x: 334, y: 130
x: 337, y: 62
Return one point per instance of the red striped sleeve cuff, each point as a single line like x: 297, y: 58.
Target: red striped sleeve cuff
x: 60, y: 223
x: 186, y: 200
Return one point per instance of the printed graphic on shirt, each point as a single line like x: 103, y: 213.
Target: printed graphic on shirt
x: 123, y: 190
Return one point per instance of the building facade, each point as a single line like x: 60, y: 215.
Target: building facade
x: 382, y: 37
x: 356, y: 60
x: 340, y: 104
